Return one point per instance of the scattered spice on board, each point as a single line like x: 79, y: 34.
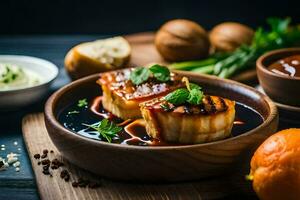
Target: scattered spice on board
x: 48, y: 167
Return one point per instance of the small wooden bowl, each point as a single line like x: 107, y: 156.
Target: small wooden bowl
x: 288, y: 115
x: 280, y: 88
x: 160, y: 163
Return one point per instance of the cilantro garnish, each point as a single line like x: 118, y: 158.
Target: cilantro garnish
x: 141, y: 74
x: 192, y: 94
x: 106, y: 129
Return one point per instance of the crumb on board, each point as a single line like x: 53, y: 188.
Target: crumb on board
x: 11, y: 159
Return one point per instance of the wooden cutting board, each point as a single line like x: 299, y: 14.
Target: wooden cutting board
x: 36, y: 140
x: 144, y: 52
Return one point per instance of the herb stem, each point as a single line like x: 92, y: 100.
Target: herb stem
x: 190, y: 65
x: 205, y: 69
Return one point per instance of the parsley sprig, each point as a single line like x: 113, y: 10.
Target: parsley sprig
x: 192, y: 94
x: 141, y: 74
x: 106, y: 129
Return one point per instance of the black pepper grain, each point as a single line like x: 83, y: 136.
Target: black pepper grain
x: 54, y: 167
x: 46, y: 162
x: 55, y: 164
x: 64, y: 173
x: 75, y: 184
x: 44, y: 156
x: 45, y: 151
x: 37, y: 156
x: 67, y: 178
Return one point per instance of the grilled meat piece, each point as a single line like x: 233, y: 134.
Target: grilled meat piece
x: 122, y: 98
x: 212, y: 120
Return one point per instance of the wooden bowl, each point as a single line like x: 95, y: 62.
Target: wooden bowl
x: 288, y: 115
x: 160, y: 163
x: 280, y: 88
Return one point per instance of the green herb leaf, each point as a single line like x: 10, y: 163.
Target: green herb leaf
x: 73, y: 112
x: 82, y: 103
x: 195, y: 97
x: 139, y: 75
x: 161, y: 73
x: 192, y: 94
x: 178, y: 96
x: 106, y: 129
x: 279, y: 25
x: 194, y: 86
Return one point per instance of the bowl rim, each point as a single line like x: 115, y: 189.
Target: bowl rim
x: 50, y: 117
x: 260, y: 66
x: 281, y: 105
x: 288, y: 107
x: 43, y: 62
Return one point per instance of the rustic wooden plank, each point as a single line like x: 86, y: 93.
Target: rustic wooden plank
x: 16, y: 193
x: 37, y: 139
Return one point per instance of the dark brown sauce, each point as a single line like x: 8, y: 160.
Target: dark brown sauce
x: 289, y: 66
x: 134, y: 132
x: 136, y: 128
x: 138, y: 133
x: 95, y: 108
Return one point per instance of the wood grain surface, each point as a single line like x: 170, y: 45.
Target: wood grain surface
x: 37, y: 139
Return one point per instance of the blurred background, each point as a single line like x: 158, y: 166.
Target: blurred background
x: 122, y: 17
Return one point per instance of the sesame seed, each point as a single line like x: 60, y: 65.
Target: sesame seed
x: 15, y: 143
x: 17, y: 164
x: 12, y: 160
x: 11, y: 155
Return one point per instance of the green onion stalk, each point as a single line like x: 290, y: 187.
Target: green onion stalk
x: 225, y: 65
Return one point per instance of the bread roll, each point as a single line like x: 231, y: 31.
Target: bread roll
x: 97, y: 56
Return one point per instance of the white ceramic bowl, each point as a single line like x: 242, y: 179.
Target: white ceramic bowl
x: 16, y: 98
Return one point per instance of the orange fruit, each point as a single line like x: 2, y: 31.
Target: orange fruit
x: 275, y: 167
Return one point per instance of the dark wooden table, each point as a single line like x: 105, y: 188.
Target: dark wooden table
x: 21, y: 185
